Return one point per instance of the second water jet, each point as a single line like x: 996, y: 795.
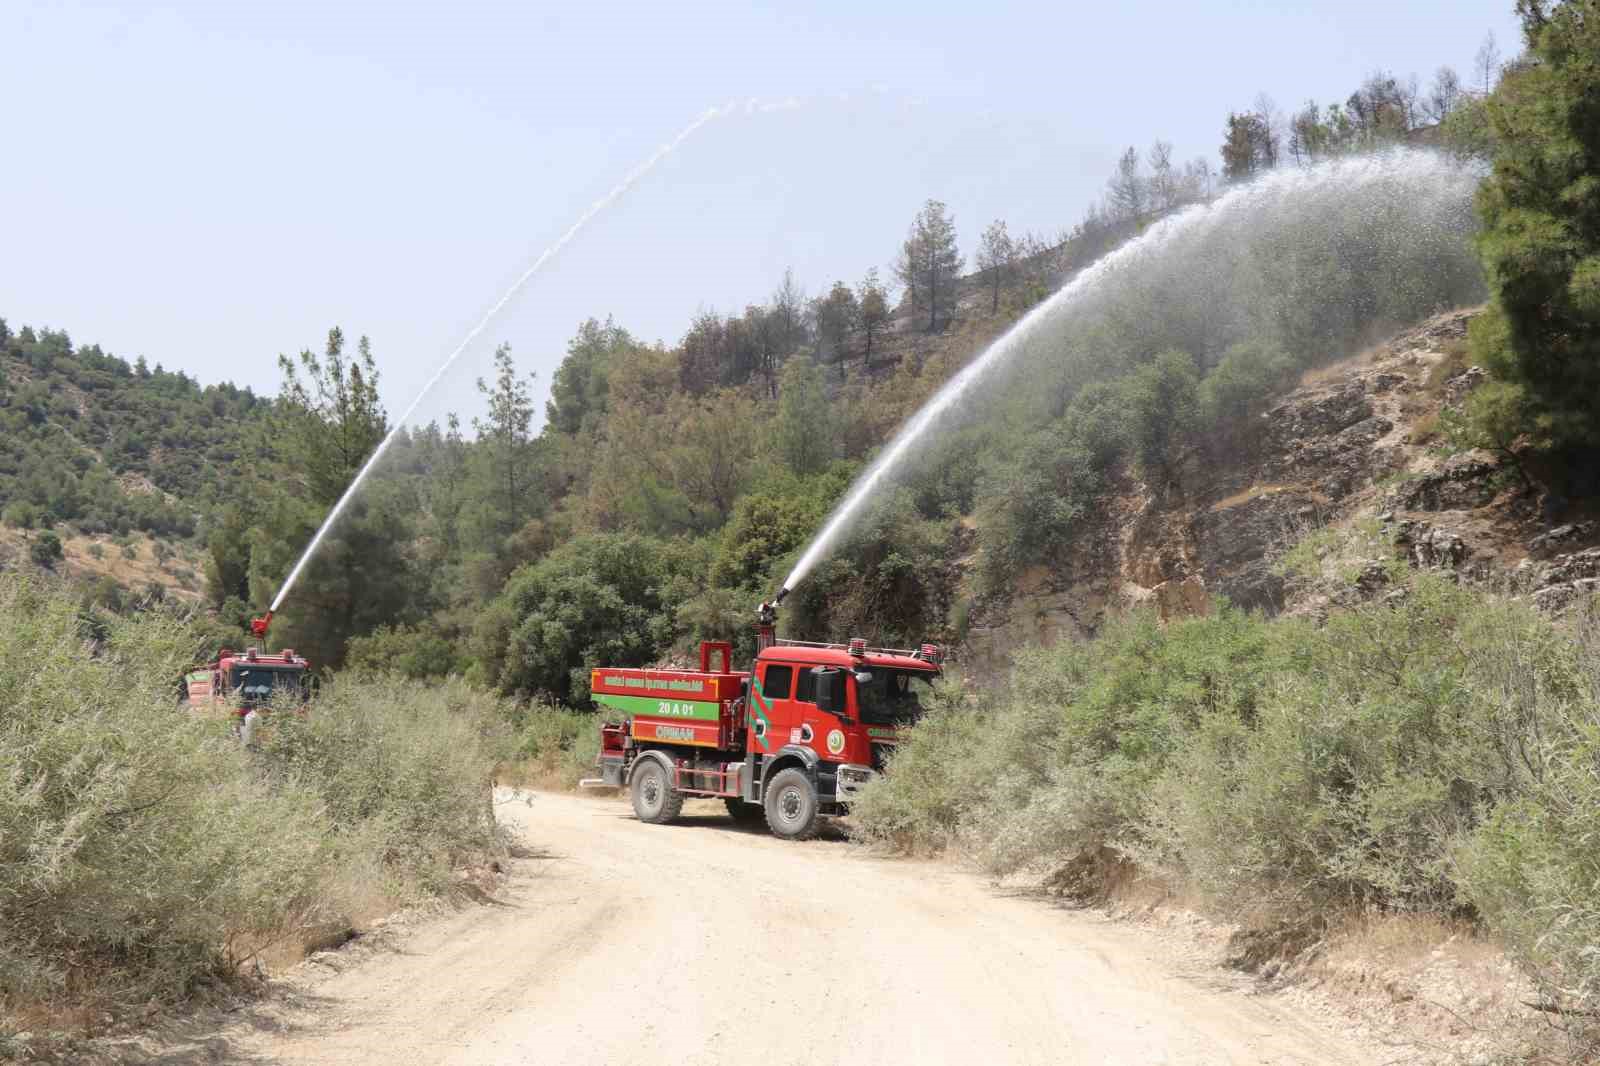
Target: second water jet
x: 1214, y: 272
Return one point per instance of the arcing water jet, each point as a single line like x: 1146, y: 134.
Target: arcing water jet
x: 548, y: 254
x: 1213, y: 266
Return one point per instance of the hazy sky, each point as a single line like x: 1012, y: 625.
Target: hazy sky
x: 212, y: 183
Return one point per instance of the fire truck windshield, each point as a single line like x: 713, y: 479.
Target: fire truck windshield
x: 889, y: 697
x: 256, y: 684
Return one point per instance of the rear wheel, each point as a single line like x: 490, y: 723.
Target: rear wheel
x: 791, y: 805
x: 654, y: 799
x: 742, y: 812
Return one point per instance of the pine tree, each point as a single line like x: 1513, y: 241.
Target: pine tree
x: 329, y: 421
x: 872, y: 314
x: 836, y: 315
x: 1249, y: 147
x: 1127, y: 191
x: 802, y: 432
x: 578, y: 389
x: 997, y: 258
x: 929, y: 263
x: 332, y: 418
x: 1541, y: 225
x: 505, y: 441
x: 1164, y: 191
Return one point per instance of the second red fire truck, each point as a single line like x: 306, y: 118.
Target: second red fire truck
x: 791, y: 740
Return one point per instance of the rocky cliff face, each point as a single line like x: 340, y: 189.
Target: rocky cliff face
x: 1351, y: 459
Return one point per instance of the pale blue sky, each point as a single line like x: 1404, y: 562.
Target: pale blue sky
x: 211, y: 183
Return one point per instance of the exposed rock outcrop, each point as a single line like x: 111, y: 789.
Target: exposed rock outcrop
x: 1460, y: 482
x: 1340, y: 451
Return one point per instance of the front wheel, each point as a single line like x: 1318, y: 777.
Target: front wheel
x: 791, y: 805
x: 654, y: 799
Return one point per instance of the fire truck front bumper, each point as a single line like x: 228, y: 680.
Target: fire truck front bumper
x: 850, y: 779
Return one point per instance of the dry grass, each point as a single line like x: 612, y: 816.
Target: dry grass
x: 540, y: 775
x: 1254, y: 491
x: 1453, y: 991
x: 556, y: 747
x: 1425, y: 429
x: 1325, y: 373
x: 137, y: 574
x: 1454, y: 358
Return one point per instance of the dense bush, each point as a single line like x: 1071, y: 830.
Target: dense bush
x: 138, y: 849
x: 557, y: 746
x: 1533, y: 869
x: 1033, y: 504
x: 1241, y: 384
x: 1383, y: 738
x: 45, y: 549
x: 1067, y: 751
x: 400, y: 766
x: 887, y: 580
x: 143, y: 851
x: 595, y: 600
x: 1432, y: 753
x: 417, y: 652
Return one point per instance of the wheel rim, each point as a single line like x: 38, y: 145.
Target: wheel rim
x: 650, y: 791
x: 790, y: 805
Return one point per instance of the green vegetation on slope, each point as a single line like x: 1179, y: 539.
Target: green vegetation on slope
x: 711, y: 460
x: 87, y: 439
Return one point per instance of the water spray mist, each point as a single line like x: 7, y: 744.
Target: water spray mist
x: 1432, y: 193
x: 548, y: 254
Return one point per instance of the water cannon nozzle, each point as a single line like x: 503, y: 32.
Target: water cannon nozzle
x: 781, y: 594
x: 258, y: 626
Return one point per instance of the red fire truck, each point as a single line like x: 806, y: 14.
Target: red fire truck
x: 242, y: 684
x: 793, y: 739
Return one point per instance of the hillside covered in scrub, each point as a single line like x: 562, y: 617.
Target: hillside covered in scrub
x: 665, y: 487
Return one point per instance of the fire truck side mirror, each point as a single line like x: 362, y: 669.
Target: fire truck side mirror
x: 830, y: 689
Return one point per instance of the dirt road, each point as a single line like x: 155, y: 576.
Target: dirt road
x: 700, y: 942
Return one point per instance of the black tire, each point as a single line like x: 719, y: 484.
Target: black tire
x: 791, y: 805
x: 654, y: 799
x: 742, y: 812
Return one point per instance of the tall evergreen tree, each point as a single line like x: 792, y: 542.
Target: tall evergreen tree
x: 506, y: 445
x: 872, y: 314
x: 1127, y: 191
x: 1541, y: 225
x: 578, y: 389
x: 1249, y: 147
x: 930, y: 262
x: 997, y: 258
x: 803, y: 429
x: 330, y: 419
x: 836, y: 315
